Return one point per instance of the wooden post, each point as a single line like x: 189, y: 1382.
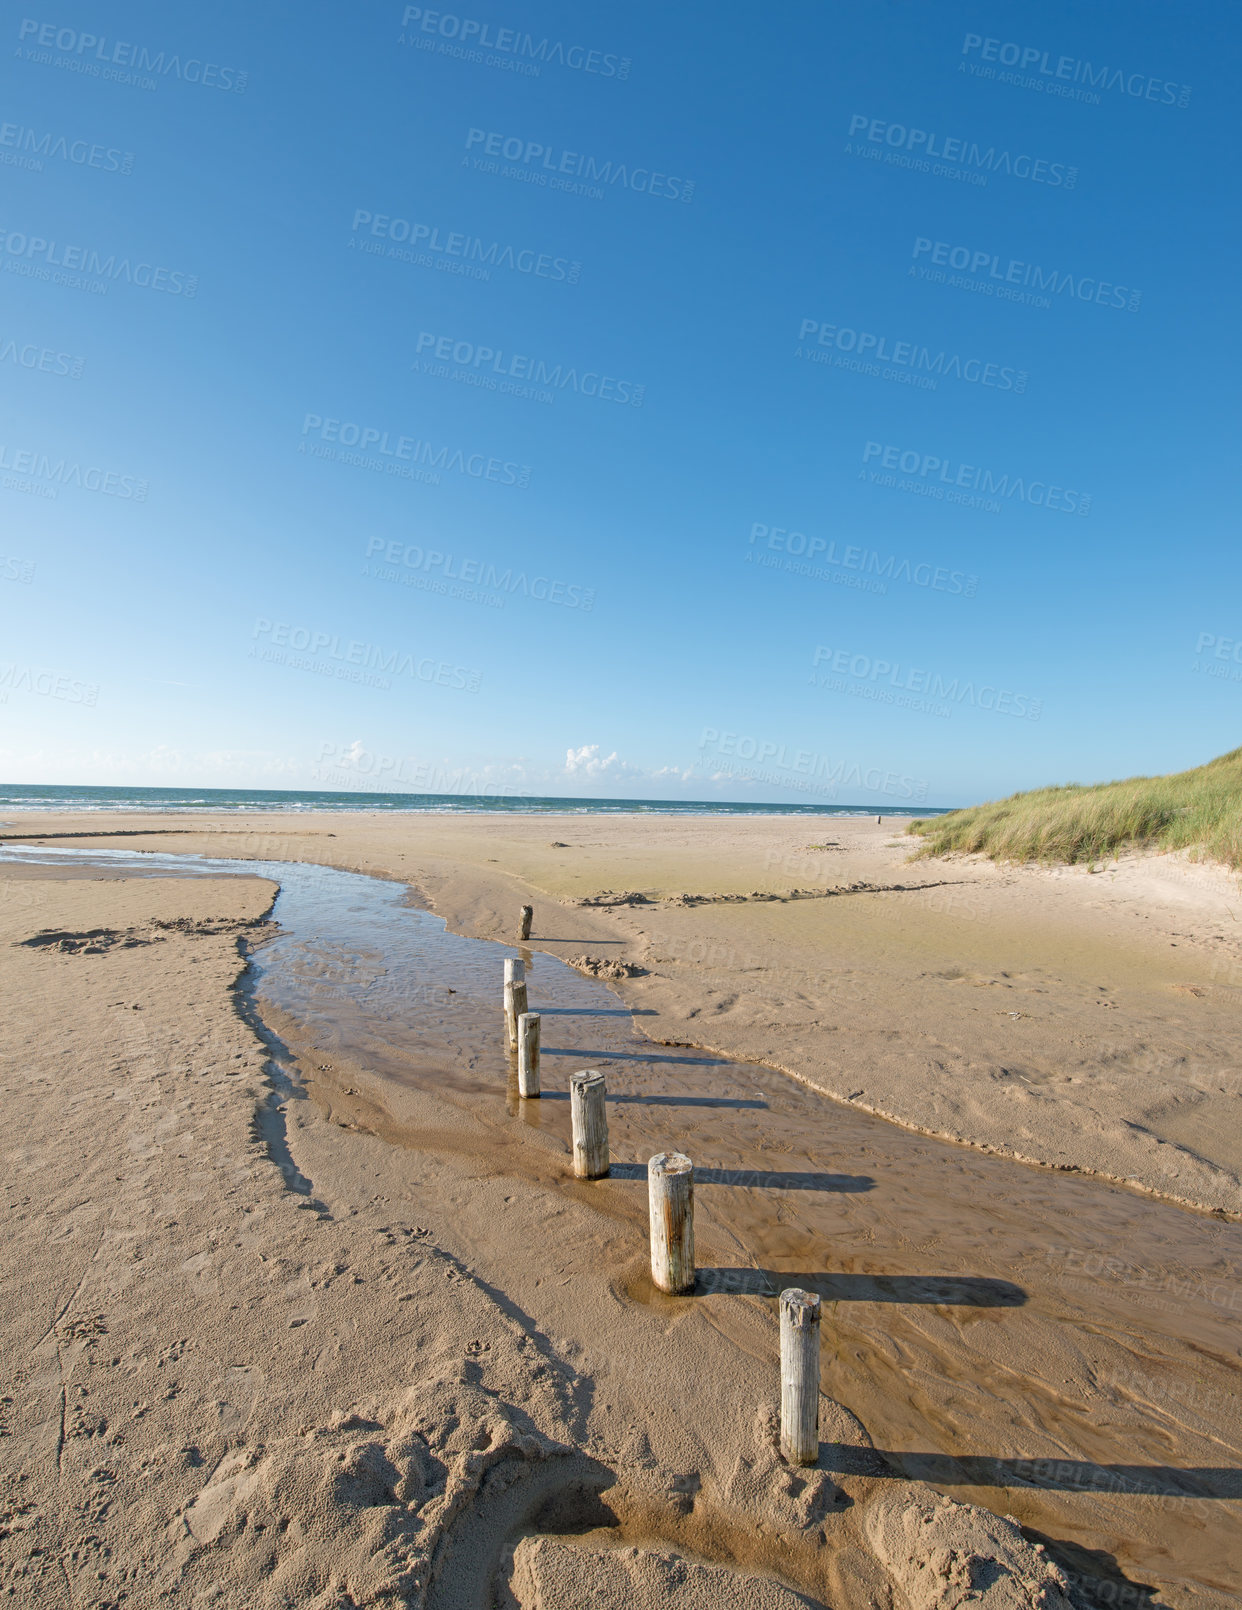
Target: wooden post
x: 515, y: 1005
x: 515, y: 969
x: 528, y: 1053
x: 800, y: 1376
x: 524, y: 922
x: 590, y: 1121
x: 670, y: 1199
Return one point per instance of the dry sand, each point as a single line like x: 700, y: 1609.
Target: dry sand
x: 1037, y: 1013
x: 417, y: 1383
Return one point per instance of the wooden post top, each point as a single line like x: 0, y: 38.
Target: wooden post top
x: 670, y: 1163
x: 799, y: 1307
x: 587, y: 1076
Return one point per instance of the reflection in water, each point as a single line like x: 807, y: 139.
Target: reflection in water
x: 1078, y: 1339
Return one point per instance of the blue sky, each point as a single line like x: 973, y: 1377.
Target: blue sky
x: 683, y: 418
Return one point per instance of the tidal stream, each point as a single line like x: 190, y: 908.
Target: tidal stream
x: 1044, y: 1344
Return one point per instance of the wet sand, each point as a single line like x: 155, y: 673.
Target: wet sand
x: 973, y: 1304
x: 1081, y: 1020
x: 1047, y: 1346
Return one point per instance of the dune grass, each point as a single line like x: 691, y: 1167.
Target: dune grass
x: 1198, y: 810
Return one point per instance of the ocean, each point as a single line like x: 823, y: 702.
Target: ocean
x: 81, y: 797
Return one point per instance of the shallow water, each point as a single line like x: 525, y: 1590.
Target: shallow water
x: 1048, y: 1345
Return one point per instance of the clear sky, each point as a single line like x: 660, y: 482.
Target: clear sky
x: 697, y: 400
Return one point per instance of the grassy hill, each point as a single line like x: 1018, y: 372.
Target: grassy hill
x: 1198, y: 810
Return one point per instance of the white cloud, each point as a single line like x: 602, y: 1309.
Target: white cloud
x: 588, y: 762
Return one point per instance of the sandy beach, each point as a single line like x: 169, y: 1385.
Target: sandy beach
x: 364, y: 1341
x: 499, y: 1110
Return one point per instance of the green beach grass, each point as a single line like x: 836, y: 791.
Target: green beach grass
x: 1199, y: 811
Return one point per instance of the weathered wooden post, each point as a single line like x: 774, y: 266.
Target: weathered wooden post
x: 590, y: 1123
x: 524, y: 922
x: 528, y: 1054
x: 515, y: 969
x: 670, y: 1199
x: 800, y: 1376
x: 515, y: 1005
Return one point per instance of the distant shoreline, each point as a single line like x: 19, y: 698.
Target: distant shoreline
x: 30, y: 797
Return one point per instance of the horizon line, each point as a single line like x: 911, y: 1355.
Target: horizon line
x: 380, y: 793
